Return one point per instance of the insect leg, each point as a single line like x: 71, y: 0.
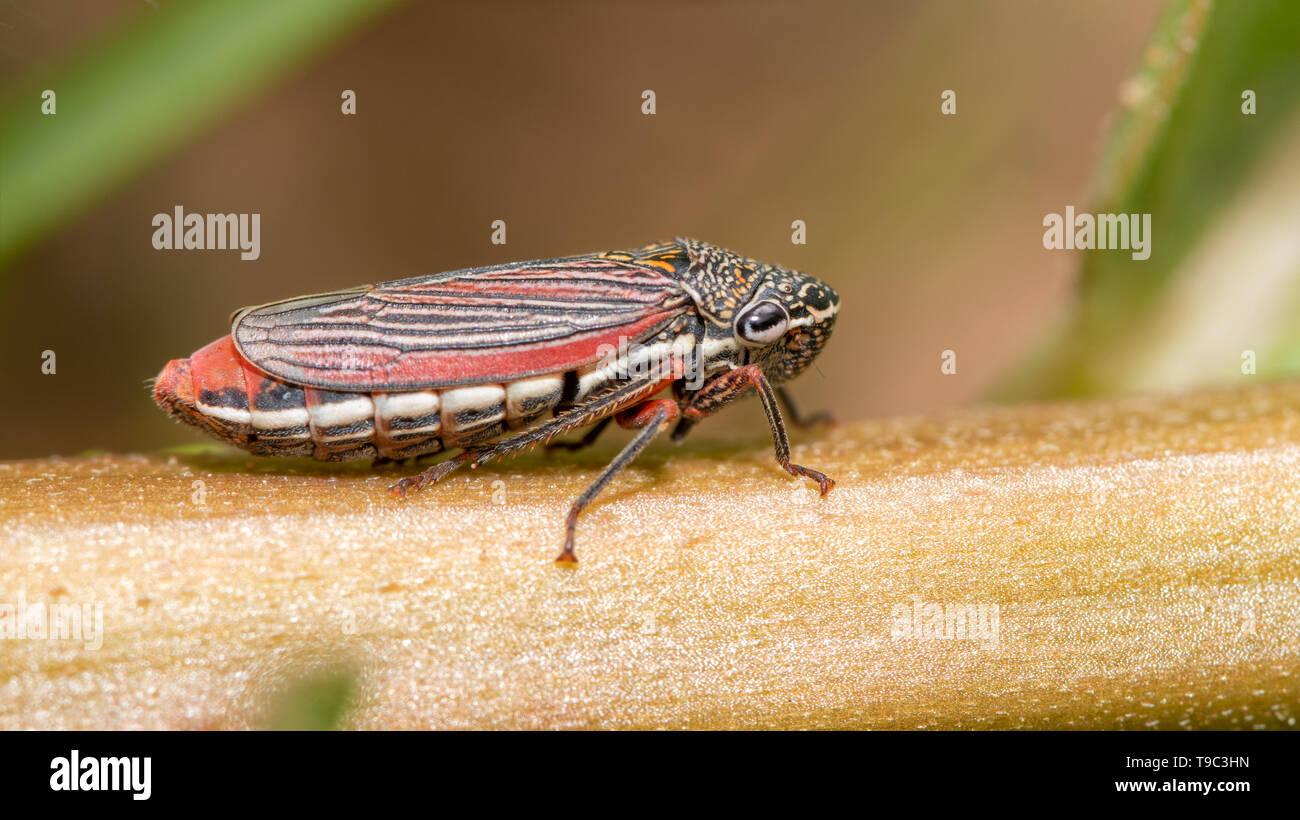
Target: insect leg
x: 432, y: 475
x: 586, y: 441
x: 653, y: 417
x: 726, y: 387
x: 798, y: 419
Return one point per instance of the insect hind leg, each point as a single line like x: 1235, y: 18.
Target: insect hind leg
x: 432, y: 475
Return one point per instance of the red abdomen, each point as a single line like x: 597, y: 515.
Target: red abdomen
x: 218, y: 391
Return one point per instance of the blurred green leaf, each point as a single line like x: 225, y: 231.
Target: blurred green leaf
x: 127, y: 102
x: 318, y: 700
x: 1224, y: 267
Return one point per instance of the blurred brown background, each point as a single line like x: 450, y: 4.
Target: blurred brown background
x: 929, y: 226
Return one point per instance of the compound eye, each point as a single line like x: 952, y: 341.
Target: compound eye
x: 763, y: 324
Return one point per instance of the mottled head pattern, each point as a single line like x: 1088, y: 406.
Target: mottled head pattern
x: 782, y: 318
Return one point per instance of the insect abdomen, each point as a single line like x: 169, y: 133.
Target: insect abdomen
x: 218, y: 391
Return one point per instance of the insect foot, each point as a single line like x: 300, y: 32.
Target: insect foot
x: 401, y: 488
x: 824, y: 482
x: 430, y: 476
x: 568, y: 559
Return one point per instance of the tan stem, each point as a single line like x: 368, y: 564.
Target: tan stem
x: 1143, y: 557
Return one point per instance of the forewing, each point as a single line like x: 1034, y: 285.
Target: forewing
x: 471, y: 326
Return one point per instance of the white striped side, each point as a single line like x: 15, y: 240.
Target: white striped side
x: 407, y: 424
x: 271, y: 420
x: 529, y: 399
x: 341, y: 413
